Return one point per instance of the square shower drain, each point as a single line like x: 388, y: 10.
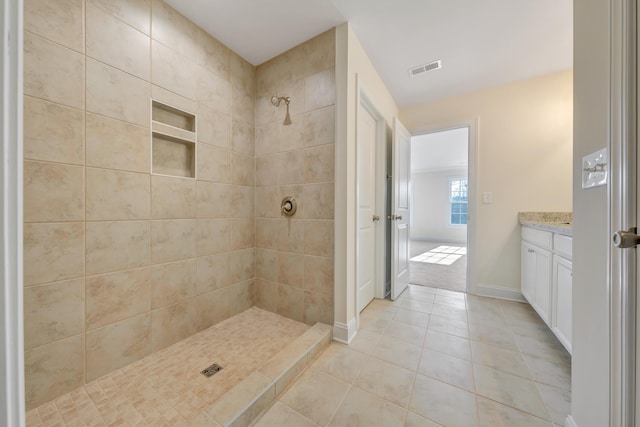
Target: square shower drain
x: 211, y: 370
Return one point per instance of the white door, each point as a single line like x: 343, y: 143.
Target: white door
x: 366, y: 154
x: 401, y: 173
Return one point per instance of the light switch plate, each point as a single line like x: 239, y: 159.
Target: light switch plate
x: 595, y: 169
x: 487, y: 197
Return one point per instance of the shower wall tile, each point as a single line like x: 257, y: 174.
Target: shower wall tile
x: 242, y: 138
x: 318, y: 274
x: 268, y: 201
x: 267, y: 264
x: 53, y: 72
x: 60, y: 21
x: 267, y: 138
x: 173, y: 282
x: 291, y: 235
x: 241, y: 201
x: 114, y: 246
x: 173, y: 323
x: 118, y: 345
x: 242, y: 234
x: 319, y: 164
x: 318, y: 308
x: 243, y: 170
x: 174, y: 30
x: 267, y: 169
x: 116, y: 94
x: 214, y: 128
x: 267, y: 233
x: 212, y: 199
x: 172, y: 71
x: 291, y: 302
x: 213, y: 236
x: 213, y: 164
x: 176, y: 100
x: 319, y: 200
x: 212, y: 308
x: 115, y: 144
x: 265, y: 295
x: 113, y: 42
x: 53, y: 251
x: 53, y: 132
x: 320, y: 126
x: 173, y: 198
x: 214, y: 56
x: 292, y: 167
x: 114, y: 195
x: 318, y: 237
x: 320, y: 89
x: 291, y: 269
x: 53, y: 192
x: 212, y: 91
x: 53, y: 369
x: 52, y: 312
x: 173, y: 240
x: 240, y: 297
x: 241, y: 265
x: 136, y: 13
x: 117, y: 296
x: 213, y: 273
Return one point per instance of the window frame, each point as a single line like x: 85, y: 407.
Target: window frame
x: 450, y: 180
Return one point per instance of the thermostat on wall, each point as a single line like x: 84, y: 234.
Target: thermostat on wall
x: 595, y: 169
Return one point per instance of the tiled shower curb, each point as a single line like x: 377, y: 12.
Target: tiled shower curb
x: 247, y: 400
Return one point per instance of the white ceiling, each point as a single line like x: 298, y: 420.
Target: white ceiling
x: 440, y: 150
x: 481, y: 43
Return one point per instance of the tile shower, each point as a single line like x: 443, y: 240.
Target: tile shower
x: 121, y: 263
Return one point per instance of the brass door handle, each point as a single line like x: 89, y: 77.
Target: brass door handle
x: 375, y: 218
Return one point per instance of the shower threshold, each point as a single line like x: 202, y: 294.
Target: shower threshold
x: 261, y: 354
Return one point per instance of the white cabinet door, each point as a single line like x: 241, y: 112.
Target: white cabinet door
x: 562, y: 289
x: 543, y: 284
x: 528, y: 275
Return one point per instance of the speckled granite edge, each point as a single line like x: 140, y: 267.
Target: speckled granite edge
x: 545, y: 217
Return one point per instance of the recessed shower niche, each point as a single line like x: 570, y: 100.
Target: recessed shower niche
x: 173, y: 141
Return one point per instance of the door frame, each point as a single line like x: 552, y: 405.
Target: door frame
x: 364, y: 99
x: 12, y: 401
x: 472, y: 176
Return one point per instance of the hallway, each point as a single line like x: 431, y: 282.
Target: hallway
x: 435, y: 357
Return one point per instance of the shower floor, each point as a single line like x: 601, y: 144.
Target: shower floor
x: 166, y: 388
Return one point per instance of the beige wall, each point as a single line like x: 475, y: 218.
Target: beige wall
x: 431, y: 208
x: 524, y: 159
x: 294, y: 256
x: 120, y: 263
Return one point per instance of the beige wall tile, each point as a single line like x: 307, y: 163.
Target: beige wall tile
x: 116, y: 94
x: 294, y: 89
x: 114, y: 195
x: 170, y: 70
x: 213, y: 164
x: 319, y: 53
x: 214, y: 128
x: 213, y: 236
x: 319, y: 201
x: 214, y: 56
x: 318, y: 274
x: 212, y: 90
x: 113, y: 246
x: 213, y: 273
x: 241, y: 202
x: 267, y: 138
x: 173, y: 323
x: 242, y: 106
x: 136, y: 13
x: 173, y: 282
x: 53, y: 312
x: 115, y: 43
x: 212, y: 307
x: 173, y: 240
x: 320, y: 89
x: 173, y: 99
x: 318, y: 237
x: 53, y: 72
x: 115, y: 144
x: 318, y: 308
x: 53, y: 251
x: 291, y: 302
x: 319, y: 164
x: 268, y: 200
x: 117, y: 296
x: 60, y: 21
x: 212, y: 199
x: 267, y: 233
x: 53, y: 192
x: 267, y: 264
x: 53, y: 132
x: 265, y: 295
x: 53, y: 370
x: 240, y: 297
x: 241, y: 265
x: 172, y: 156
x: 243, y: 76
x: 292, y: 168
x: 242, y: 234
x: 118, y: 345
x: 291, y: 269
x: 267, y: 169
x: 292, y: 136
x: 320, y: 126
x: 243, y: 170
x: 292, y: 237
x: 175, y: 31
x: 173, y: 197
x: 242, y: 137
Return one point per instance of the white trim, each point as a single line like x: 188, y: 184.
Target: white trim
x: 12, y: 406
x: 499, y: 292
x: 344, y: 333
x: 570, y: 422
x: 438, y: 240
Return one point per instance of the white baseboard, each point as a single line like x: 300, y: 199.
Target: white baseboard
x: 344, y: 333
x: 569, y: 422
x: 499, y: 292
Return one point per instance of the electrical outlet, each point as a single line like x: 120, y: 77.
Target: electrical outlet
x: 487, y: 197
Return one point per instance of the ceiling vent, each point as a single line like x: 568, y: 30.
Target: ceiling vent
x: 421, y: 69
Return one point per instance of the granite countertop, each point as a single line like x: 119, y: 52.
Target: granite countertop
x: 556, y: 222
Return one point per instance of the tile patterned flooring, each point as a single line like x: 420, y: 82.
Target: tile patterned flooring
x: 435, y: 358
x: 166, y: 388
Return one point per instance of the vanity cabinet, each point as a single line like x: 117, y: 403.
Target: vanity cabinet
x: 546, y: 280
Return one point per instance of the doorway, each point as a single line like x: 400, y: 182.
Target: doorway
x: 439, y: 218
